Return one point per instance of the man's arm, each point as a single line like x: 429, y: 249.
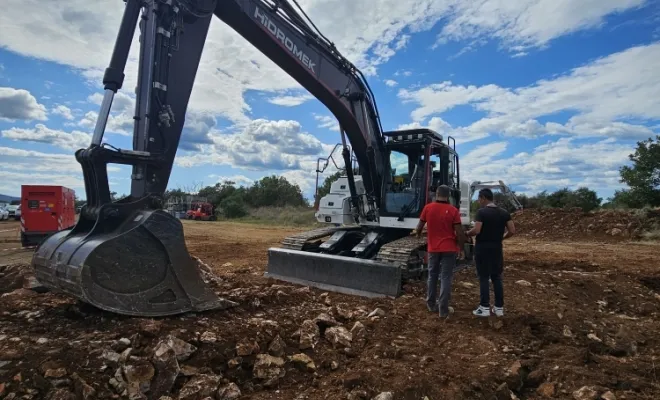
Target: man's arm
x: 510, y: 229
x: 420, y: 226
x: 478, y: 222
x: 421, y: 223
x: 459, y: 231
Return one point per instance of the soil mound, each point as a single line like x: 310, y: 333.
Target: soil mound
x: 575, y: 224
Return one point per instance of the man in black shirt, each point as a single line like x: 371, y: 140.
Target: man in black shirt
x: 492, y: 225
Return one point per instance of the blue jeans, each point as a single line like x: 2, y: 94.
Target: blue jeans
x: 441, y: 265
x: 489, y: 262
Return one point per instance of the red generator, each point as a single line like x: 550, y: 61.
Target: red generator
x: 44, y: 211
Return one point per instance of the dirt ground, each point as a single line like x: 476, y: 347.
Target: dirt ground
x: 581, y: 322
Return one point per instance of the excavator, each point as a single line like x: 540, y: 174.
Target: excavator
x: 129, y: 256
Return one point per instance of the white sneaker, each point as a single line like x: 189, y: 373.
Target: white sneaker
x: 482, y: 312
x: 498, y: 311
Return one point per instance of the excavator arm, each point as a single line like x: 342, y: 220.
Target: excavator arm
x: 129, y: 256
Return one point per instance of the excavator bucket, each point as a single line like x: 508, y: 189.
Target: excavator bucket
x: 340, y: 274
x: 138, y: 266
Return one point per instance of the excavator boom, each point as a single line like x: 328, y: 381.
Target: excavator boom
x: 130, y: 257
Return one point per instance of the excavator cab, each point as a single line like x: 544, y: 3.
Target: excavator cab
x: 374, y: 257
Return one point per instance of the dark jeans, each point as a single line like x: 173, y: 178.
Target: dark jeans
x: 490, y: 261
x: 441, y: 265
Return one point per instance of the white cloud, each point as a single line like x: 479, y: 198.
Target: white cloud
x: 390, y: 82
x: 79, y: 32
x: 120, y: 120
x: 522, y: 24
x: 291, y: 101
x: 19, y: 104
x: 63, y: 111
x: 605, y: 95
x: 26, y: 167
x: 403, y: 73
x: 565, y: 162
x: 260, y: 145
x: 327, y: 121
x: 41, y: 134
x: 460, y: 134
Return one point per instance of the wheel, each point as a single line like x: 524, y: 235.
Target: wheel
x: 212, y: 218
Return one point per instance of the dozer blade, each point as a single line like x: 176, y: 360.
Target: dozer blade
x: 335, y: 273
x: 139, y: 268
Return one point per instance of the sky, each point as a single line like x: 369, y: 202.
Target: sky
x: 542, y: 94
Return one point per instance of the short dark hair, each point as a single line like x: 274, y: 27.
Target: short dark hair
x: 486, y: 194
x: 443, y: 191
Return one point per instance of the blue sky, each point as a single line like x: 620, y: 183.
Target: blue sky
x: 541, y: 93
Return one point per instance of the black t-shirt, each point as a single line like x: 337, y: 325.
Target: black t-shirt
x: 493, y: 220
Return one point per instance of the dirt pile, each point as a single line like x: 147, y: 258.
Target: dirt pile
x: 575, y: 224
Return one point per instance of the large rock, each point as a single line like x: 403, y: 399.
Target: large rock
x: 384, y: 396
x: 82, y: 389
x: 183, y: 350
x: 358, y: 331
x: 228, y: 392
x: 303, y: 361
x: 324, y: 320
x: 268, y: 368
x: 309, y: 334
x: 246, y: 347
x: 277, y: 347
x: 339, y: 336
x: 199, y: 387
x: 586, y: 393
x: 167, y: 368
x: 138, y: 380
x: 547, y: 389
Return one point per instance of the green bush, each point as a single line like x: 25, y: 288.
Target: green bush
x: 233, y: 207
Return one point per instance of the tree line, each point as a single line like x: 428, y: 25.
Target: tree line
x: 235, y: 201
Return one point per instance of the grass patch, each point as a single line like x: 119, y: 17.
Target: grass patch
x: 280, y: 216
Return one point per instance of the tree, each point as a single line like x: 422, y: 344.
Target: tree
x: 585, y: 199
x: 173, y: 193
x: 559, y: 198
x: 643, y: 177
x: 274, y: 191
x: 233, y: 206
x: 217, y: 193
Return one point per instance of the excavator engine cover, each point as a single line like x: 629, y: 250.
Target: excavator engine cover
x: 138, y: 267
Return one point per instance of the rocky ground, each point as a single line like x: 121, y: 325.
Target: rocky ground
x: 581, y: 323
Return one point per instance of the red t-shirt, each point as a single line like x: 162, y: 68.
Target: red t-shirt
x: 440, y: 219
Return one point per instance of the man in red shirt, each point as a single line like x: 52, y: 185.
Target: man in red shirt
x: 445, y: 239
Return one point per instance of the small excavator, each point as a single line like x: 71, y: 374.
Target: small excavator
x: 129, y: 256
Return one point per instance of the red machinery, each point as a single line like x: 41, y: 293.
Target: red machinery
x: 201, y: 211
x: 44, y: 211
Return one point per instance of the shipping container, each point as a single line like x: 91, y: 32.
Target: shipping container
x: 44, y: 211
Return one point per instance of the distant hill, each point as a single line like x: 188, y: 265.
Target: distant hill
x: 7, y: 199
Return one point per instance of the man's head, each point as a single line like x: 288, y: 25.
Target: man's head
x: 442, y: 193
x: 485, y: 196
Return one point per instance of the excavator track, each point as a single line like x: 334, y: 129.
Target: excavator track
x: 298, y: 241
x: 404, y: 253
